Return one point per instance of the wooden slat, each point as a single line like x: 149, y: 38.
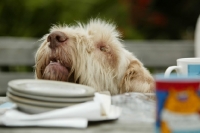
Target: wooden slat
x: 17, y: 51
x: 6, y: 77
x: 21, y: 51
x: 160, y: 53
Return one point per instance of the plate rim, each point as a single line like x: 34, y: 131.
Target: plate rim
x: 14, y: 84
x: 24, y: 107
x: 37, y: 102
x: 50, y: 99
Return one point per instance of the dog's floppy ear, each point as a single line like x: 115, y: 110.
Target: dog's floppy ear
x: 136, y: 79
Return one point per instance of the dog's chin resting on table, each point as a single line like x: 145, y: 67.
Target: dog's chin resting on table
x: 91, y: 54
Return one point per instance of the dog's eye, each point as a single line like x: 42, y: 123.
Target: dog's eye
x: 103, y: 48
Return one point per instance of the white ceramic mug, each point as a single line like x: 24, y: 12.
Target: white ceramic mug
x: 186, y: 67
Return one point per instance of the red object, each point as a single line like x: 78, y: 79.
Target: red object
x: 177, y: 85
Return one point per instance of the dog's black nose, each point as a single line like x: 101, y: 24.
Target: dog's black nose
x: 56, y: 38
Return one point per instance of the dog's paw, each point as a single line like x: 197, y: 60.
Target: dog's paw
x: 137, y: 79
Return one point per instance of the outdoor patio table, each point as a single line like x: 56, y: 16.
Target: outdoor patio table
x: 125, y: 124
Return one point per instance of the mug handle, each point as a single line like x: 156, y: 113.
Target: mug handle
x: 170, y: 69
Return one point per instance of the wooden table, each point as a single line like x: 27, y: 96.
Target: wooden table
x: 125, y: 124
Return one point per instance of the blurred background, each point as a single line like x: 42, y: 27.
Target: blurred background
x: 136, y: 19
x: 157, y: 31
x: 144, y: 20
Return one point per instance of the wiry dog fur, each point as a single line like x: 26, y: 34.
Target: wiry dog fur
x: 92, y: 55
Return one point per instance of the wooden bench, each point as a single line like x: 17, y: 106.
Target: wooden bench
x: 15, y: 53
x: 19, y: 53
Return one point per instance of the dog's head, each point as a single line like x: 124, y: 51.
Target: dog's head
x: 88, y: 54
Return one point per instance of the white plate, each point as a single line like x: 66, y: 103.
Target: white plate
x: 52, y: 99
x: 37, y: 102
x: 32, y: 109
x: 51, y: 88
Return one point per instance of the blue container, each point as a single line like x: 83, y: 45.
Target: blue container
x: 178, y: 104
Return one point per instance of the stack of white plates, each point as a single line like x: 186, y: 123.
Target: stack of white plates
x: 37, y: 96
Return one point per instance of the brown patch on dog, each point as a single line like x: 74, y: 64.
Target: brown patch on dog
x: 134, y: 76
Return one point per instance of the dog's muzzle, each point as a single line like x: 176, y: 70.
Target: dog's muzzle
x: 56, y: 70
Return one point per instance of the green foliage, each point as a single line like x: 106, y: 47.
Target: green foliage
x: 33, y: 18
x: 136, y: 19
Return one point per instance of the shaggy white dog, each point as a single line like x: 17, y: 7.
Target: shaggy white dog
x: 92, y: 55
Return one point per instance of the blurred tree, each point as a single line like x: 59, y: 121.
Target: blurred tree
x: 165, y: 19
x: 136, y: 19
x: 33, y: 18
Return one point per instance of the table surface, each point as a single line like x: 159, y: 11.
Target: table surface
x: 125, y: 124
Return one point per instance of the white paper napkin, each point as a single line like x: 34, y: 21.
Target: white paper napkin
x: 74, y: 116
